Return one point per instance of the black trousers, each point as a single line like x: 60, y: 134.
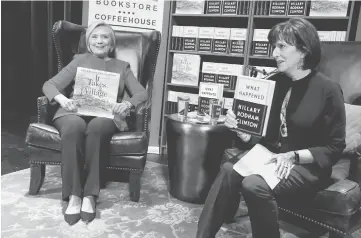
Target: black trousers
x: 224, y: 198
x: 85, y: 145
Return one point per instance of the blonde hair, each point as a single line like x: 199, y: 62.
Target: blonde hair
x: 91, y: 28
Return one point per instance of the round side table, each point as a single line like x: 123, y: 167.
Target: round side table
x: 194, y: 157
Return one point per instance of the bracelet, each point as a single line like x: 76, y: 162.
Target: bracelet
x: 297, y: 157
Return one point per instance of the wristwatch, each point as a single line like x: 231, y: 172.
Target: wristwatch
x: 297, y: 157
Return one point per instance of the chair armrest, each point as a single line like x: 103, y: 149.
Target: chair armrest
x: 141, y: 115
x: 42, y: 104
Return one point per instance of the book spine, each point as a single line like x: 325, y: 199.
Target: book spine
x: 180, y: 40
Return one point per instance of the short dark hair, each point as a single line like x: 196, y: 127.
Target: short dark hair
x: 302, y: 34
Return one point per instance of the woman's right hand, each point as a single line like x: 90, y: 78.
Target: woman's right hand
x: 68, y: 104
x: 232, y: 123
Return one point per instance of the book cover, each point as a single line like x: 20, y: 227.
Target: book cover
x: 228, y: 103
x: 205, y: 39
x: 213, y: 7
x: 208, y: 91
x: 329, y: 8
x: 278, y: 8
x: 296, y: 8
x: 237, y: 40
x: 225, y: 75
x: 185, y: 70
x: 221, y: 39
x: 190, y: 38
x: 229, y: 7
x: 260, y: 44
x: 256, y: 162
x: 189, y: 7
x: 252, y: 104
x: 209, y: 72
x: 96, y: 91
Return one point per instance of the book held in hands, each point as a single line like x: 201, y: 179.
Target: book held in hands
x: 256, y: 162
x: 252, y: 104
x: 96, y: 92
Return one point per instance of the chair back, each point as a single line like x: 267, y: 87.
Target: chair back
x: 341, y: 61
x: 138, y: 48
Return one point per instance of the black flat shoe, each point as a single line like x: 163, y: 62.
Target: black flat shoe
x: 72, y: 219
x: 87, y: 217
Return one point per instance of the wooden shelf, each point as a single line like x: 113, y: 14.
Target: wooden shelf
x: 209, y: 15
x: 206, y: 53
x: 260, y: 57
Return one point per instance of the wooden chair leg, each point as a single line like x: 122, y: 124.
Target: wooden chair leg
x: 37, y: 174
x: 134, y: 185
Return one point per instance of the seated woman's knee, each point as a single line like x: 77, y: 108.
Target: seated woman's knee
x: 252, y: 184
x: 100, y: 126
x: 227, y: 167
x: 72, y: 126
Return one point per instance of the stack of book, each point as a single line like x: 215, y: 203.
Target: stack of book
x: 209, y: 39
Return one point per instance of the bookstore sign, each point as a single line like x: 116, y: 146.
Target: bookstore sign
x: 146, y: 14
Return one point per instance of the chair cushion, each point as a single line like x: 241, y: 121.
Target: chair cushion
x: 341, y: 198
x: 126, y: 143
x: 353, y: 129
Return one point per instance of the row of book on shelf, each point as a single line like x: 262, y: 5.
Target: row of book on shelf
x: 218, y: 7
x: 267, y: 7
x: 209, y: 39
x: 230, y: 40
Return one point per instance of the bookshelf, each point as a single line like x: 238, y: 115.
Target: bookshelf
x: 329, y: 26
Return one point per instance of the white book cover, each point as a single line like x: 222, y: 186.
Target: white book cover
x: 238, y: 34
x: 189, y: 6
x: 96, y: 91
x: 325, y: 35
x: 252, y: 104
x: 228, y: 103
x: 329, y: 8
x: 256, y: 162
x: 260, y: 34
x: 208, y: 91
x: 190, y: 31
x: 209, y: 72
x: 206, y: 32
x: 222, y: 33
x: 185, y: 70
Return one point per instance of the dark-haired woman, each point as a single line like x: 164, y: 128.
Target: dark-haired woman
x: 306, y: 131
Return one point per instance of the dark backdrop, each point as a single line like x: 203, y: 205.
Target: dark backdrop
x: 28, y: 58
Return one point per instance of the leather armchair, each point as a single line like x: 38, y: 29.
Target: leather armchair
x: 337, y: 208
x: 128, y: 150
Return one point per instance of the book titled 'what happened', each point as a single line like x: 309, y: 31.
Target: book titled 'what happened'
x: 252, y: 104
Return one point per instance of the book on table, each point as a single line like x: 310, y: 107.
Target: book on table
x: 96, y: 92
x: 256, y: 162
x: 252, y: 104
x: 208, y: 92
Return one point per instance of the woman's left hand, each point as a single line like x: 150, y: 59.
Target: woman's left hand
x: 284, y: 164
x: 121, y: 109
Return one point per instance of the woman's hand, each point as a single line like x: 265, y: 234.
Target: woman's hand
x: 68, y: 104
x: 231, y: 123
x: 121, y: 109
x: 284, y: 164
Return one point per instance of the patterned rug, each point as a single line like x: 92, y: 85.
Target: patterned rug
x: 157, y: 215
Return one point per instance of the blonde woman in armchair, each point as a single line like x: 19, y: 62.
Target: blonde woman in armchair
x: 306, y: 131
x: 85, y: 140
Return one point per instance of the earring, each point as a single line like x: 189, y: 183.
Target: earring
x: 300, y: 64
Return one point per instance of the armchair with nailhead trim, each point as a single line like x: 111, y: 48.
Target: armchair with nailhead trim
x: 128, y: 150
